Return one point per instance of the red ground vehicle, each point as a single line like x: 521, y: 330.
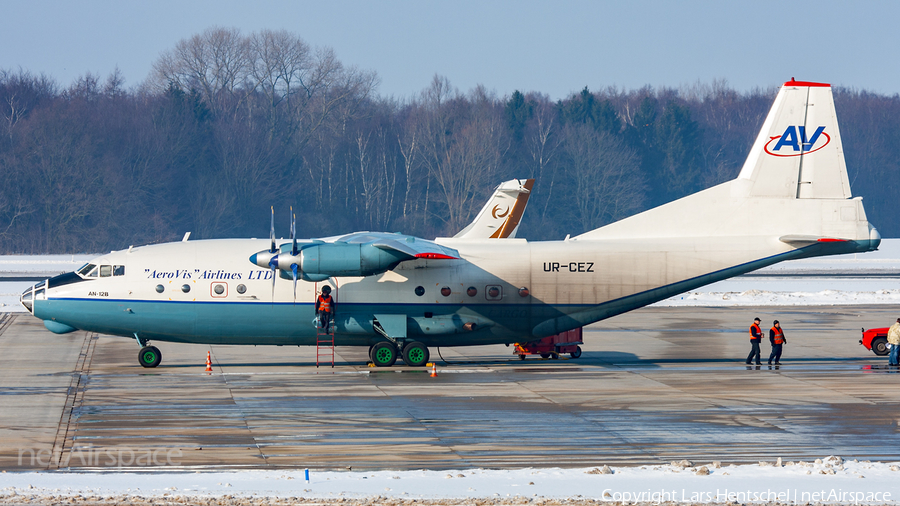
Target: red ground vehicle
x: 552, y: 346
x: 875, y: 340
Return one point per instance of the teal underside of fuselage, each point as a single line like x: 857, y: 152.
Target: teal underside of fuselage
x: 259, y: 323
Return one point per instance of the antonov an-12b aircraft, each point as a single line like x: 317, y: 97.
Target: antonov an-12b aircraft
x: 399, y: 294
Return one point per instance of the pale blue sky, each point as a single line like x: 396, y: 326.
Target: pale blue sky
x: 553, y: 47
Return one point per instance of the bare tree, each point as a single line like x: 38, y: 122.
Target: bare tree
x: 602, y: 176
x: 282, y: 65
x: 465, y: 145
x: 542, y: 138
x: 215, y: 62
x: 11, y: 209
x: 410, y: 149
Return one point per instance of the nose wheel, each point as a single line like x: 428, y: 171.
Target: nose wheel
x: 149, y: 356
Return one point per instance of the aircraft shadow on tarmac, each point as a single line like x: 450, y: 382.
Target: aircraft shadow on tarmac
x: 631, y: 359
x: 587, y: 358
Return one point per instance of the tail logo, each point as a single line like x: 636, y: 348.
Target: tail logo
x: 794, y: 137
x: 498, y: 216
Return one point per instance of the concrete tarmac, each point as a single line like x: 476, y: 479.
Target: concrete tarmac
x: 653, y: 385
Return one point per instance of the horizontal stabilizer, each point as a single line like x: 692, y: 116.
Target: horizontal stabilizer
x: 801, y: 241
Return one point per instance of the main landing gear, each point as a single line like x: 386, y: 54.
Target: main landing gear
x: 415, y: 354
x: 149, y: 356
x: 385, y: 354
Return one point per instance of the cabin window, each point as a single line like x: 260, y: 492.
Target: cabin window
x: 420, y: 291
x: 523, y: 292
x: 105, y: 271
x: 445, y: 291
x: 118, y: 270
x: 471, y: 291
x: 160, y: 289
x: 219, y: 289
x: 185, y: 288
x: 493, y: 292
x: 241, y: 288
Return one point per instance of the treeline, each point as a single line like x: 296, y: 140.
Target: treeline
x: 228, y: 125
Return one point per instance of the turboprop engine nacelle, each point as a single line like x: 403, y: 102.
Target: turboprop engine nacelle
x: 343, y: 259
x: 321, y: 261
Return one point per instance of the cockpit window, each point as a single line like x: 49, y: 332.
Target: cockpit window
x: 87, y: 268
x: 118, y: 270
x: 93, y: 273
x: 105, y: 271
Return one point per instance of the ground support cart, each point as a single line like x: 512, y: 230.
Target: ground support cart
x: 552, y: 346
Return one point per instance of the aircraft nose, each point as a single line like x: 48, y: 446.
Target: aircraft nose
x: 26, y: 300
x: 29, y: 295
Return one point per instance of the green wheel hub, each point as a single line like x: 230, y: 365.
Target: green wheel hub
x: 384, y: 355
x: 149, y: 356
x: 417, y: 354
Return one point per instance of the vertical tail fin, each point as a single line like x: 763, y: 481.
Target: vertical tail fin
x: 499, y: 218
x: 798, y: 153
x: 793, y: 188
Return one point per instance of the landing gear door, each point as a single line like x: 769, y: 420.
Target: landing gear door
x: 393, y: 326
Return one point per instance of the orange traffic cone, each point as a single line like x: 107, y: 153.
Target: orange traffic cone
x: 208, y: 362
x: 433, y: 370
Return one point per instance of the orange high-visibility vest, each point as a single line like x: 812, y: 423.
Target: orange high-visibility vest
x: 779, y: 335
x: 758, y: 332
x: 325, y: 304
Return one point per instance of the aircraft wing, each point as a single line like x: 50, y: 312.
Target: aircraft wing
x: 414, y: 247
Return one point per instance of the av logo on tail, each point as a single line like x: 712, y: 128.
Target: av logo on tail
x: 794, y: 137
x: 498, y: 216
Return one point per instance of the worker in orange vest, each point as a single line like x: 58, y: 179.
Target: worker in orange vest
x: 777, y: 340
x: 325, y: 307
x: 755, y: 338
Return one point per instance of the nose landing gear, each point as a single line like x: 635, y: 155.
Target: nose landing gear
x: 149, y: 356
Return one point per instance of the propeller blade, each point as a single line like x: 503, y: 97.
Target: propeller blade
x: 273, y: 263
x: 272, y: 231
x: 294, y: 267
x: 293, y: 233
x: 294, y: 272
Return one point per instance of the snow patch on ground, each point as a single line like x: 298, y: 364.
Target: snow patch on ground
x: 754, y: 297
x: 24, y: 264
x: 9, y: 295
x: 887, y: 258
x: 830, y: 480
